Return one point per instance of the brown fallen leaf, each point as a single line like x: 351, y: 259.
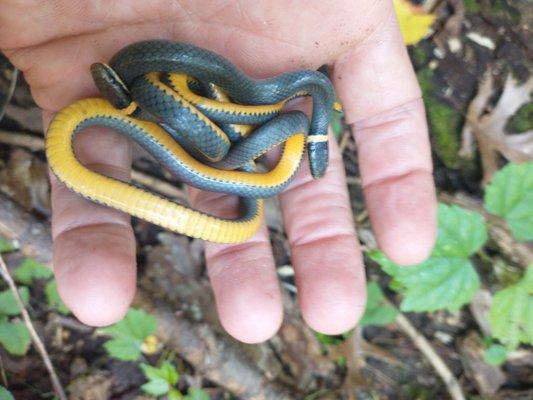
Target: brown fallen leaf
x: 487, y: 378
x: 479, y: 307
x: 95, y: 386
x: 488, y: 128
x: 25, y: 179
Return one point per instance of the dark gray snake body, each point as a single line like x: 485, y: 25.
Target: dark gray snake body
x: 141, y: 58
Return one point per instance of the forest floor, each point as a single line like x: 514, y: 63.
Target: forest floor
x: 475, y: 46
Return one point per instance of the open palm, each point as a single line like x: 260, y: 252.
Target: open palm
x: 53, y: 43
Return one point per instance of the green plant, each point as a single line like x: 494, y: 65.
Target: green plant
x: 511, y: 313
x: 5, y: 394
x: 510, y: 196
x: 129, y: 335
x: 332, y: 339
x: 14, y: 335
x: 495, y: 354
x: 29, y: 270
x: 447, y: 280
x: 162, y: 381
x: 53, y: 299
x: 6, y: 245
x: 378, y: 311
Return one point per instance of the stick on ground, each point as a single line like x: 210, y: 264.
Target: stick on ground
x: 37, y: 342
x: 456, y: 393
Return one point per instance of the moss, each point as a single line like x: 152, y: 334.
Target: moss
x: 445, y: 124
x: 502, y: 9
x: 472, y: 6
x: 425, y: 80
x: 522, y: 121
x: 337, y: 123
x: 419, y: 56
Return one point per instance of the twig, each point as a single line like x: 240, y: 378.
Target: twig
x: 159, y: 185
x: 3, y: 373
x: 72, y: 324
x: 353, y: 180
x: 10, y: 91
x: 452, y: 385
x: 344, y: 139
x: 35, y: 143
x: 217, y: 358
x: 429, y: 5
x: 56, y: 384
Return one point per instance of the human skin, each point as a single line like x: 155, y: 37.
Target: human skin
x: 54, y: 42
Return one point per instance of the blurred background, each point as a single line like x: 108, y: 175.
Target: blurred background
x: 458, y: 326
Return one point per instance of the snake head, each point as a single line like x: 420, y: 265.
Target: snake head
x: 111, y: 86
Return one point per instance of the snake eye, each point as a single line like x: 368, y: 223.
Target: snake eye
x: 111, y: 86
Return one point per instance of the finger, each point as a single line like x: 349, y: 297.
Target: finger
x: 381, y: 97
x: 94, y: 246
x: 243, y: 277
x: 325, y: 251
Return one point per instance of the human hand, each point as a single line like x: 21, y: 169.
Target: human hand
x: 53, y: 43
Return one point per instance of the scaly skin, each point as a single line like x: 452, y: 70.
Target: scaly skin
x: 141, y: 58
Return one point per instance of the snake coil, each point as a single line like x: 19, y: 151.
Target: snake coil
x: 203, y: 120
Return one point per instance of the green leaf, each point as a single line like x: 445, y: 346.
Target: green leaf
x: 160, y: 380
x: 447, y: 280
x: 157, y: 387
x: 5, y: 394
x: 377, y: 311
x: 175, y: 394
x: 332, y: 339
x: 29, y: 270
x: 6, y: 246
x: 137, y: 324
x: 511, y: 313
x: 14, y: 336
x: 336, y: 122
x: 436, y: 284
x: 8, y: 304
x: 52, y: 298
x: 495, y: 355
x: 510, y: 196
x: 166, y: 371
x: 196, y: 394
x: 129, y: 334
x: 170, y: 372
x: 461, y: 233
x: 123, y: 348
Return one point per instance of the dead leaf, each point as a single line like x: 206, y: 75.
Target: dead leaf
x: 479, y: 307
x: 488, y: 127
x: 414, y: 21
x: 25, y: 179
x: 450, y: 32
x: 96, y: 386
x: 487, y: 378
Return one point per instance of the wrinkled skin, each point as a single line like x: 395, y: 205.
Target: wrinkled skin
x: 54, y: 42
